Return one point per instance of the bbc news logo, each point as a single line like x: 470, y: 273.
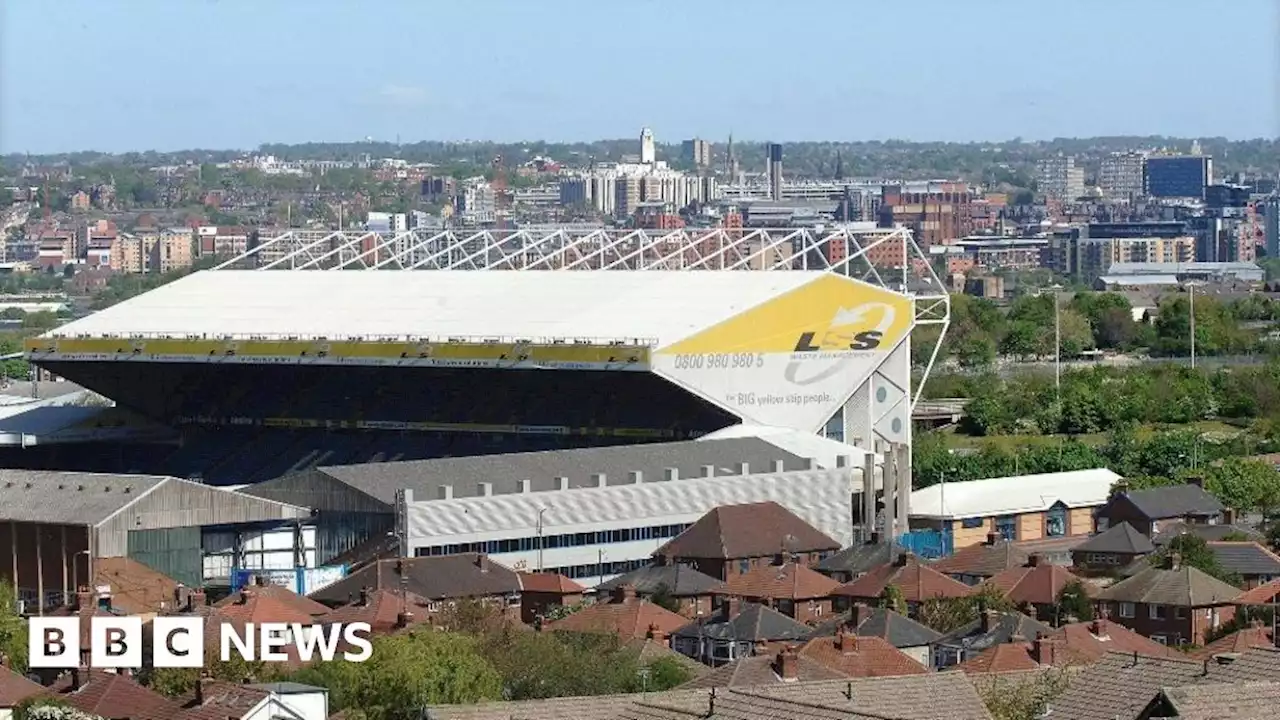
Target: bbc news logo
x: 179, y: 642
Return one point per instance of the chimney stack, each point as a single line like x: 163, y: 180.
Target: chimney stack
x: 846, y: 642
x: 624, y: 593
x: 1042, y: 650
x: 1229, y: 516
x: 364, y: 597
x: 992, y: 539
x: 875, y: 538
x: 482, y: 562
x: 1034, y: 560
x: 1175, y: 561
x: 562, y: 483
x: 1196, y: 480
x: 669, y: 474
x: 858, y: 614
x: 403, y: 619
x: 201, y: 682
x: 656, y: 634
x: 744, y: 468
x: 599, y: 480
x: 84, y: 599
x: 787, y: 664
x: 196, y: 600
x: 990, y: 618
x: 246, y: 595
x: 732, y: 606
x: 444, y: 492
x: 708, y: 471
x: 524, y: 485
x: 779, y: 466
x: 484, y: 489
x: 635, y: 477
x: 905, y: 559
x: 1099, y: 626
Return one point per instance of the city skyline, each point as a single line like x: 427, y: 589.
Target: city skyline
x: 223, y: 75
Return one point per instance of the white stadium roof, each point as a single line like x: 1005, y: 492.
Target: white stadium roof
x: 662, y: 306
x: 1013, y: 495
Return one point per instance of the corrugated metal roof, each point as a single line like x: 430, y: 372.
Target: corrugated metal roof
x: 67, y: 498
x: 666, y: 306
x: 1013, y: 495
x: 462, y: 476
x: 1139, y: 280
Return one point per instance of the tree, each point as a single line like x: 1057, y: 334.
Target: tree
x: 49, y: 709
x: 949, y: 614
x: 406, y: 673
x: 13, y: 630
x: 1245, y: 484
x: 1025, y: 697
x: 891, y: 599
x: 1073, y: 602
x: 663, y: 674
x: 661, y: 596
x: 1193, y: 551
x: 536, y: 665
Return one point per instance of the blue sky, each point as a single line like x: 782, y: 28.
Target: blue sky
x: 167, y: 74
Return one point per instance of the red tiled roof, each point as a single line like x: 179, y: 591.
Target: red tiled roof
x: 15, y: 688
x: 983, y: 560
x: 1261, y: 595
x: 251, y: 605
x: 1256, y: 635
x: 779, y: 582
x: 135, y: 588
x: 381, y: 609
x: 300, y: 603
x: 750, y: 530
x: 918, y: 582
x: 223, y: 700
x: 855, y: 656
x: 1037, y: 584
x: 628, y: 618
x: 552, y: 583
x: 111, y: 695
x: 1001, y: 658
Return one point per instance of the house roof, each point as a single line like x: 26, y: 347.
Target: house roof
x: 1255, y: 635
x: 1090, y: 641
x: 1186, y: 586
x: 679, y: 579
x: 906, y: 697
x: 1237, y: 701
x: 135, y: 588
x: 1001, y: 658
x: 790, y: 581
x: 552, y: 583
x: 858, y: 559
x: 1261, y: 595
x: 1174, y: 502
x: 1245, y: 557
x: 113, y: 695
x: 14, y: 688
x: 857, y: 656
x: 1036, y: 582
x: 647, y: 651
x: 749, y: 530
x: 917, y: 581
x: 984, y: 559
x: 994, y: 628
x: 69, y: 498
x: 223, y: 700
x: 628, y: 618
x: 1013, y: 495
x: 380, y: 608
x: 764, y: 669
x: 1121, y: 538
x: 1215, y: 532
x: 1122, y: 685
x: 866, y: 621
x: 436, y: 577
x: 301, y: 604
x: 755, y: 623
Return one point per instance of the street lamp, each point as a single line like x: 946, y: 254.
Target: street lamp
x: 541, y: 511
x: 1191, y: 290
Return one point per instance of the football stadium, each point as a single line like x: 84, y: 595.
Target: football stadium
x: 293, y: 355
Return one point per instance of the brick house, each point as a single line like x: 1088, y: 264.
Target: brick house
x: 917, y: 581
x: 1149, y: 511
x: 790, y: 588
x: 690, y: 589
x: 539, y: 592
x: 1034, y: 587
x: 735, y: 631
x: 735, y: 539
x: 623, y: 615
x: 1175, y: 604
x: 1111, y: 550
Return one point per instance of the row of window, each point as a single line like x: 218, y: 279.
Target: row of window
x: 1006, y: 526
x: 551, y: 542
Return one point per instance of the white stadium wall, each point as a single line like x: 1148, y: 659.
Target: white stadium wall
x: 824, y: 498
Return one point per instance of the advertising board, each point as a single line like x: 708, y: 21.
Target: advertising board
x: 794, y: 360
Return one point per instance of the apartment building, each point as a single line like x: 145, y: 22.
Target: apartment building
x: 1122, y: 176
x: 1061, y: 178
x: 936, y: 212
x: 162, y: 252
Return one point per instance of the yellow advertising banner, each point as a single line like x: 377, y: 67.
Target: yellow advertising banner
x: 499, y: 355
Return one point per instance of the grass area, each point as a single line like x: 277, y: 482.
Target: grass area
x: 1010, y: 442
